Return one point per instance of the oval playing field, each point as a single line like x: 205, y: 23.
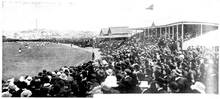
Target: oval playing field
x: 36, y: 56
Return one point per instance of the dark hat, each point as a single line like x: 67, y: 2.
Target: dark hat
x: 93, y: 75
x: 44, y: 71
x: 173, y: 85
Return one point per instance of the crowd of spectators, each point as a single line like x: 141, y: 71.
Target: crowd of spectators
x: 164, y: 65
x: 127, y: 66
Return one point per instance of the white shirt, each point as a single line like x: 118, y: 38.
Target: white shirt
x: 110, y: 81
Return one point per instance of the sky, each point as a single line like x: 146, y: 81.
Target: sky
x: 93, y: 15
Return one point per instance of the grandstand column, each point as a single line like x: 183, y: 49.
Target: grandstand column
x: 201, y: 29
x: 146, y: 33
x: 182, y: 33
x: 173, y: 31
x: 165, y: 32
x: 151, y: 33
x: 157, y: 32
x: 177, y: 32
x: 169, y: 32
x: 160, y: 32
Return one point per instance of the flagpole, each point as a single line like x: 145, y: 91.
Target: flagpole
x: 151, y: 8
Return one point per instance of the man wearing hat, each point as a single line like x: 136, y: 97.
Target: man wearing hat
x: 111, y: 80
x: 6, y: 94
x: 158, y: 73
x: 198, y: 87
x: 160, y: 87
x: 26, y: 93
x: 130, y: 82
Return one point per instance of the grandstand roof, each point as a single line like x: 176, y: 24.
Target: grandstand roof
x: 190, y: 22
x: 104, y: 31
x: 115, y: 36
x: 118, y: 30
x: 176, y: 23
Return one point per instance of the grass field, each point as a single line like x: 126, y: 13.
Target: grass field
x: 36, y: 58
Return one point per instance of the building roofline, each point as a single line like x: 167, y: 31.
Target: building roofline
x: 190, y: 22
x: 177, y: 23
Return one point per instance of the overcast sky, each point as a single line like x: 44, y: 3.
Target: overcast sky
x: 96, y: 14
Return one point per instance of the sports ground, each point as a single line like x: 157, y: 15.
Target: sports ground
x: 36, y: 56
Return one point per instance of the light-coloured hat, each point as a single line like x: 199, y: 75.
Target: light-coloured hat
x: 11, y: 80
x: 95, y: 64
x: 6, y: 94
x: 96, y: 90
x: 28, y: 80
x: 199, y: 87
x: 63, y: 76
x: 53, y: 73
x: 177, y: 72
x: 58, y: 73
x: 105, y: 62
x: 181, y: 56
x: 26, y: 93
x: 13, y: 87
x: 109, y: 71
x: 22, y: 78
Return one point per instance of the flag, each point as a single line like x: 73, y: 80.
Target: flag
x: 151, y: 7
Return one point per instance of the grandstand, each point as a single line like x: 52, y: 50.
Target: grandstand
x: 179, y: 30
x: 183, y: 30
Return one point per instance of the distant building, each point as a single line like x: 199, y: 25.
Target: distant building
x: 104, y: 32
x: 119, y: 31
x: 115, y: 32
x: 180, y: 30
x: 36, y: 34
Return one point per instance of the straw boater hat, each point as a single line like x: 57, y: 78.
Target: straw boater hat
x: 21, y: 78
x: 177, y: 72
x: 26, y: 93
x: 96, y: 64
x: 181, y: 56
x: 63, y: 76
x: 58, y: 73
x: 109, y: 72
x: 128, y: 71
x: 28, y: 80
x: 6, y: 94
x: 199, y: 87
